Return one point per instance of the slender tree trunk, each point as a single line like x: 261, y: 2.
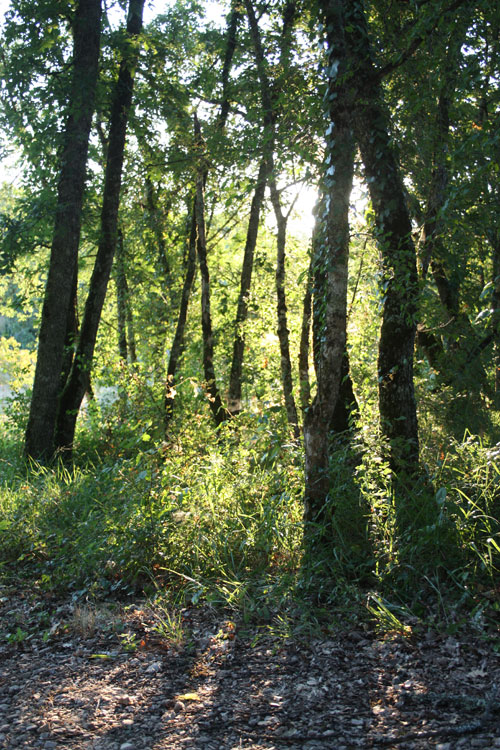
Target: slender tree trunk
x: 77, y: 383
x: 495, y: 302
x: 269, y: 123
x: 400, y: 284
x: 161, y: 305
x: 59, y: 291
x: 157, y: 219
x: 132, y: 350
x: 283, y: 332
x: 121, y: 299
x: 235, y: 380
x: 231, y: 39
x: 218, y: 410
x: 178, y: 342
x: 305, y: 334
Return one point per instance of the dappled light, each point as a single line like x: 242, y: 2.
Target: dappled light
x: 249, y: 375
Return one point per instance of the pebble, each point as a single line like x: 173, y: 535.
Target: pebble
x: 443, y: 746
x: 155, y: 667
x: 128, y: 746
x: 127, y: 722
x: 125, y: 700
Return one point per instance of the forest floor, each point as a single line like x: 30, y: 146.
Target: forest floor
x: 116, y: 677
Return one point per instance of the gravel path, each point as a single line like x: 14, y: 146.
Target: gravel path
x: 109, y: 678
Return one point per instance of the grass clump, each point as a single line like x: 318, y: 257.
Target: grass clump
x: 220, y: 521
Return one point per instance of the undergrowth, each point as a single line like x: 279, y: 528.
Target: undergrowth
x: 220, y: 521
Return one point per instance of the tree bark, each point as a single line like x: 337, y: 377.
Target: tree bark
x: 346, y: 405
x: 178, y: 342
x: 305, y: 333
x: 59, y: 291
x: 447, y: 360
x: 269, y: 116
x: 397, y: 405
x: 235, y: 379
x: 76, y: 386
x: 219, y: 412
x: 330, y: 258
x: 283, y: 332
x: 121, y: 299
x: 495, y: 302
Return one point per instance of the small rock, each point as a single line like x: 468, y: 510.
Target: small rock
x: 125, y: 700
x: 443, y: 746
x: 127, y: 746
x: 50, y: 745
x: 179, y: 706
x: 153, y: 668
x: 127, y: 722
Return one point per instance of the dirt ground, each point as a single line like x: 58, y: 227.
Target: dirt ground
x: 129, y: 678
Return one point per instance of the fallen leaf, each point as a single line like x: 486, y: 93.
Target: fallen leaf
x: 189, y: 697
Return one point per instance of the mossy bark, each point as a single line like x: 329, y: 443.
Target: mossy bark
x: 79, y: 378
x: 60, y: 287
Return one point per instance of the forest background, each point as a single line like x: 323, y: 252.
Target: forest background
x: 262, y: 408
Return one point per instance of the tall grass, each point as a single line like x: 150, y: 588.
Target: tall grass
x: 221, y: 521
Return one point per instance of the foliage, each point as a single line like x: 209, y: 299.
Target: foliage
x: 221, y: 522
x: 216, y: 515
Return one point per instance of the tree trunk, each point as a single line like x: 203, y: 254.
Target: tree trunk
x: 231, y: 38
x: 495, y: 303
x: 330, y: 259
x: 450, y: 361
x: 77, y: 383
x: 283, y: 332
x: 130, y: 327
x: 121, y: 299
x: 269, y: 138
x: 161, y: 305
x: 234, y: 394
x: 218, y: 410
x: 59, y: 291
x: 305, y: 332
x: 346, y: 405
x: 397, y: 405
x: 71, y: 334
x: 178, y: 342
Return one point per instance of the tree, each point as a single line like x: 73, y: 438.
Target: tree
x: 78, y: 379
x: 57, y: 324
x: 397, y: 404
x: 269, y: 116
x: 329, y: 262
